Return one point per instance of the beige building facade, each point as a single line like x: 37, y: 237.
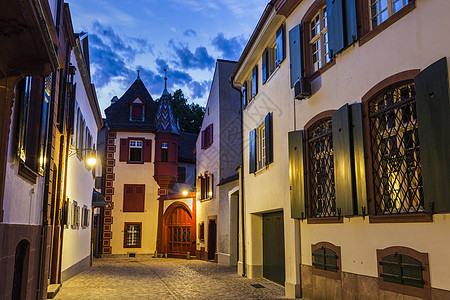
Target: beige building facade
x: 352, y: 170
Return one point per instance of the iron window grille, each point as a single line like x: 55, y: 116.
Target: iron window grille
x: 321, y: 170
x: 325, y: 259
x: 395, y: 146
x: 133, y: 235
x: 402, y: 269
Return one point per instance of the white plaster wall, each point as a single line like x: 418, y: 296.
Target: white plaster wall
x: 80, y: 183
x: 412, y: 42
x: 22, y: 202
x: 135, y: 174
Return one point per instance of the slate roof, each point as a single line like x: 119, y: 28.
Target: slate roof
x: 118, y: 113
x: 186, y: 145
x: 165, y: 121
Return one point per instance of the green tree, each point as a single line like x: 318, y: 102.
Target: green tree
x: 189, y: 116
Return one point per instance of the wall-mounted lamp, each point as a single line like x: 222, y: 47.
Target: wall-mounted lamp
x: 91, y: 157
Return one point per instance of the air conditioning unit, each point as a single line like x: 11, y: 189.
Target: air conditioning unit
x: 302, y: 88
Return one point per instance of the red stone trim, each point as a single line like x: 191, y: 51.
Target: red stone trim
x: 325, y: 273
x: 424, y: 292
x: 109, y: 190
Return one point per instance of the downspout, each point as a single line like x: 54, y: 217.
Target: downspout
x: 241, y: 110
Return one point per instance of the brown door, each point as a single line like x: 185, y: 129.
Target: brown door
x: 179, y: 232
x: 212, y: 234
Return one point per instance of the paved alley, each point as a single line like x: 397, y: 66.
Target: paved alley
x: 164, y: 278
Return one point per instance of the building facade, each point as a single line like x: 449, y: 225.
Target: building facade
x: 344, y: 152
x: 143, y: 144
x: 218, y: 153
x: 85, y: 118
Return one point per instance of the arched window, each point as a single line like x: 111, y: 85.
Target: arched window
x: 320, y: 160
x: 21, y: 270
x: 395, y: 151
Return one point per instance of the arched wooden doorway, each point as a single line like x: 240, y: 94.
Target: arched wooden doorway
x: 178, y: 234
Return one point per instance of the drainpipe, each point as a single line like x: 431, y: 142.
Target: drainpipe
x: 241, y: 110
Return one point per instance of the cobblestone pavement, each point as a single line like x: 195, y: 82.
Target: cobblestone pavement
x: 164, y: 278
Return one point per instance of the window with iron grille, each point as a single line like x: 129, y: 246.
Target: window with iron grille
x: 404, y: 270
x: 395, y: 147
x: 322, y: 202
x: 326, y: 259
x: 132, y: 235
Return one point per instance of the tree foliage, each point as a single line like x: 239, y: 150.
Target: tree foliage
x: 188, y: 116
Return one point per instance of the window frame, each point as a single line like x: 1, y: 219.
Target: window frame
x: 130, y: 140
x: 314, y: 219
x: 365, y: 30
x: 424, y: 292
x: 261, y: 147
x: 137, y: 102
x: 327, y: 273
x: 374, y: 91
x: 125, y: 235
x: 308, y: 71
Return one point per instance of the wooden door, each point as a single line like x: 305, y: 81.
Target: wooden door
x: 273, y: 247
x: 212, y: 239
x: 179, y: 232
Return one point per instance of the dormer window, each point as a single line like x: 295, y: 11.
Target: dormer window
x: 137, y: 110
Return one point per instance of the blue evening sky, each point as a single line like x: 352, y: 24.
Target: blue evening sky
x: 187, y: 36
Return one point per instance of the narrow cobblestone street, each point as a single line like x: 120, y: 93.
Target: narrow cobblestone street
x: 164, y: 278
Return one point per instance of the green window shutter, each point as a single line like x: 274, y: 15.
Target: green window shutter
x: 280, y: 44
x: 264, y: 66
x: 433, y: 111
x: 351, y: 28
x: 252, y: 151
x: 359, y: 163
x: 297, y: 174
x: 295, y: 54
x: 335, y: 26
x: 268, y: 127
x: 255, y: 81
x: 342, y: 161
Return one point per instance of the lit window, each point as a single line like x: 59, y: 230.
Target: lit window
x: 135, y: 151
x: 132, y: 235
x: 319, y: 40
x: 381, y: 10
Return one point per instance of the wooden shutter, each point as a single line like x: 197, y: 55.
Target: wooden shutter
x: 351, y: 27
x: 137, y: 111
x: 244, y: 95
x: 124, y: 149
x: 335, y: 26
x: 359, y: 165
x: 128, y: 197
x: 147, y: 150
x: 264, y: 65
x: 203, y: 139
x: 295, y: 54
x: 280, y: 44
x: 268, y: 127
x: 252, y: 151
x: 139, y: 198
x: 211, y: 134
x: 433, y: 111
x: 342, y: 161
x: 255, y: 81
x: 297, y: 174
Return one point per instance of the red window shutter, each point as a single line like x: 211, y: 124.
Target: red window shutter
x: 137, y: 111
x: 147, y: 150
x: 210, y: 134
x: 124, y: 148
x: 128, y: 195
x: 139, y: 198
x: 203, y: 139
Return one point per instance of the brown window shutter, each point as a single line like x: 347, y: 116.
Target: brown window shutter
x: 139, y: 198
x: 203, y: 139
x: 123, y: 150
x: 137, y: 111
x: 147, y: 150
x: 128, y: 195
x: 210, y: 134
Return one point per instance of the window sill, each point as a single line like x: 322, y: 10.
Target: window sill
x: 135, y: 162
x: 27, y: 173
x: 250, y: 102
x: 207, y: 147
x: 206, y: 199
x: 394, y: 18
x: 274, y: 72
x: 330, y: 220
x: 411, y: 218
x: 262, y: 170
x: 132, y: 246
x: 322, y: 70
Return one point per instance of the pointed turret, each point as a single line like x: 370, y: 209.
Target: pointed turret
x: 165, y: 121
